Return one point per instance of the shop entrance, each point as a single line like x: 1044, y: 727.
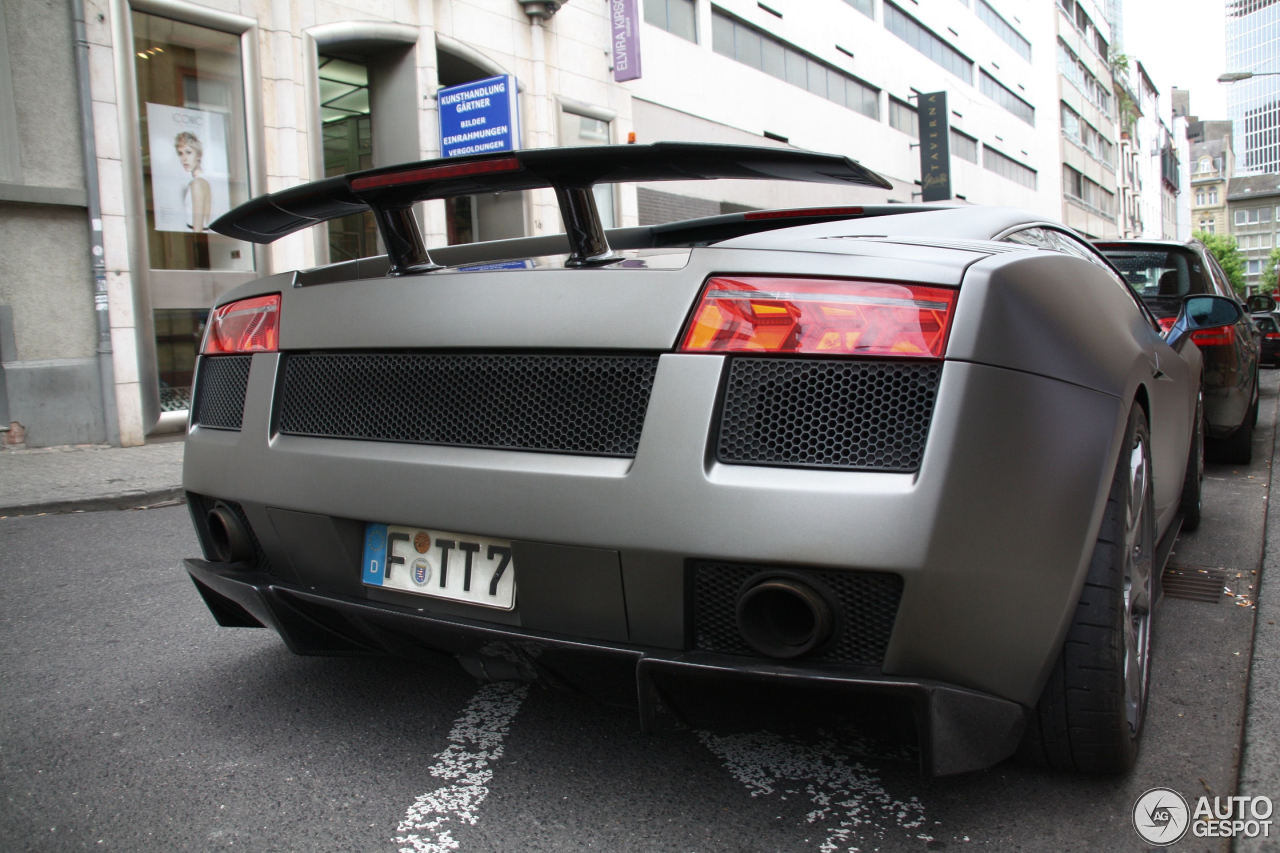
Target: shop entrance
x: 346, y: 128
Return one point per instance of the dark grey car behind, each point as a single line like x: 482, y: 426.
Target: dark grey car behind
x: 1164, y: 273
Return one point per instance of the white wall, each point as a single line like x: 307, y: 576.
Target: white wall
x: 692, y: 79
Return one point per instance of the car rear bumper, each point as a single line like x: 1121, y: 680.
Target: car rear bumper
x: 989, y: 538
x: 959, y: 729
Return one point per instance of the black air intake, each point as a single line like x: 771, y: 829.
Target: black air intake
x: 220, y: 387
x: 584, y: 404
x: 827, y: 413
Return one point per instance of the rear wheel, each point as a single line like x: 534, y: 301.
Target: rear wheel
x: 1090, y: 716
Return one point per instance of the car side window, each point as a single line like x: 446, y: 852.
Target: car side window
x: 1065, y: 242
x: 1034, y: 237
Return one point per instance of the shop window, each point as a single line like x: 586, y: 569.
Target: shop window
x: 347, y: 132
x: 178, y: 335
x: 194, y: 159
x: 194, y: 153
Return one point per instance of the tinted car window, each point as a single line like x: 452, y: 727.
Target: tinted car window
x: 1161, y: 276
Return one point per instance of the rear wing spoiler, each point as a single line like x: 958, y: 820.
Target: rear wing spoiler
x: 391, y: 192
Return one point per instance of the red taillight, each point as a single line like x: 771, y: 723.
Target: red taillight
x: 248, y: 325
x: 1166, y: 323
x: 1273, y: 336
x: 1218, y: 336
x: 820, y: 317
x: 436, y: 173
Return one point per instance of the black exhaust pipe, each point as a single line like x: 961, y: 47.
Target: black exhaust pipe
x: 229, y: 538
x: 782, y: 617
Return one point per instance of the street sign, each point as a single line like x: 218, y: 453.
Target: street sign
x: 479, y: 117
x: 625, y: 24
x: 935, y: 146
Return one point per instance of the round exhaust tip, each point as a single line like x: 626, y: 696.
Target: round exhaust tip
x: 229, y: 539
x: 784, y: 618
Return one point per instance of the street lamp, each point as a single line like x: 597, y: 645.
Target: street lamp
x: 1237, y: 76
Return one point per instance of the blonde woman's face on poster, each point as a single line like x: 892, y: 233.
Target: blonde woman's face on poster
x: 188, y: 157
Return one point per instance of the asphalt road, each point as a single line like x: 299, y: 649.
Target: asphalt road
x: 129, y: 721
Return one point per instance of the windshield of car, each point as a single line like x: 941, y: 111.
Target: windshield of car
x: 1159, y: 272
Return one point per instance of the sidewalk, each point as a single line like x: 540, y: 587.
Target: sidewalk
x: 90, y: 477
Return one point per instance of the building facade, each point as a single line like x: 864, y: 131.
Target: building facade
x: 53, y: 352
x: 1212, y: 163
x: 1253, y: 203
x: 1087, y: 112
x: 1253, y: 46
x: 194, y: 106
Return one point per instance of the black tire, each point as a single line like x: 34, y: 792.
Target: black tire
x: 1189, y: 503
x: 1089, y: 717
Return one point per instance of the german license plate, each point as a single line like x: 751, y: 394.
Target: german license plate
x: 453, y: 566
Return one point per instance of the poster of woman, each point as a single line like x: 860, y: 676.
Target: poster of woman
x: 189, y: 175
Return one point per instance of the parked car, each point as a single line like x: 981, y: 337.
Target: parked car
x: 931, y: 453
x: 1268, y: 326
x: 1163, y: 273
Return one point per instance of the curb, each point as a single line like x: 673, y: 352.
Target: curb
x: 132, y: 500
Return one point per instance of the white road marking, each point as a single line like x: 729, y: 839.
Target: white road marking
x: 849, y: 802
x: 475, y: 744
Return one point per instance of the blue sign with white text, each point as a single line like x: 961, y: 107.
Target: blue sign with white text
x: 479, y: 117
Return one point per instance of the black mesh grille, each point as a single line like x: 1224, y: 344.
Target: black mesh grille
x: 220, y: 389
x: 827, y: 413
x: 868, y: 602
x: 557, y: 403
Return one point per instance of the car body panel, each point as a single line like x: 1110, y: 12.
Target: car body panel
x: 1007, y: 386
x: 981, y: 546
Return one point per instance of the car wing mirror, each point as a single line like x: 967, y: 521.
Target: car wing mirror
x: 1200, y: 312
x: 1260, y: 303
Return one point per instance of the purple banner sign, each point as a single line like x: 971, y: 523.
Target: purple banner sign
x: 626, y: 39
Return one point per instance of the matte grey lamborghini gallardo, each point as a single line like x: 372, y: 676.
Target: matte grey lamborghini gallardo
x: 934, y: 453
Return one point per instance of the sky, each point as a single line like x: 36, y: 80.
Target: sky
x: 1181, y: 43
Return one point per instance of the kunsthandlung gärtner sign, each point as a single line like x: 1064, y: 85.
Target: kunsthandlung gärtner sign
x: 479, y: 117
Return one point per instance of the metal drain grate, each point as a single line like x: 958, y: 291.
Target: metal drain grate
x: 1194, y: 583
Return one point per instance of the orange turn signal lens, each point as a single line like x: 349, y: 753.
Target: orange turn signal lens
x: 247, y: 325
x: 820, y: 317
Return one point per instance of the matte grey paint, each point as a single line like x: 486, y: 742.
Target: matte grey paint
x: 991, y: 571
